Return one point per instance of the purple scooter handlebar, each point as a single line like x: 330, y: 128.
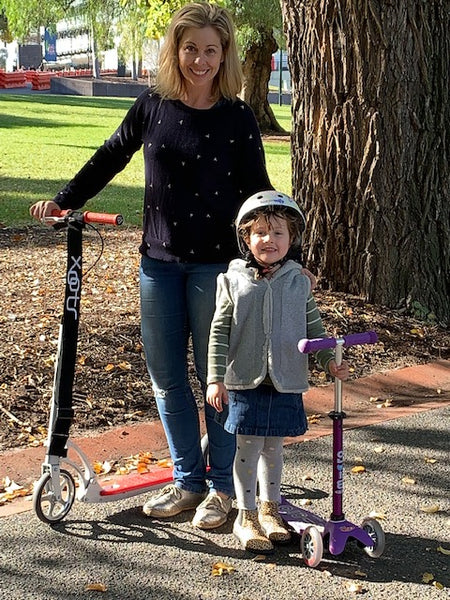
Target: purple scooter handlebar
x: 368, y: 337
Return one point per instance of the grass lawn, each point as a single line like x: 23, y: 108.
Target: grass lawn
x: 45, y: 139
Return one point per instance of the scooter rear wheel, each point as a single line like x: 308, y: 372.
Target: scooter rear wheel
x: 311, y: 546
x: 375, y: 531
x: 48, y: 507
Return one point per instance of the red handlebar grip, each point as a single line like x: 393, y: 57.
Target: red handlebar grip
x: 102, y: 218
x: 92, y: 217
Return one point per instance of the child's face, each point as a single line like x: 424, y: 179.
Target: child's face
x: 269, y: 239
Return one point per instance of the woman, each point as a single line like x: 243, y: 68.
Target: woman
x: 203, y: 155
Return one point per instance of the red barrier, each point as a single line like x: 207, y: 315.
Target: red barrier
x: 15, y: 79
x: 41, y: 80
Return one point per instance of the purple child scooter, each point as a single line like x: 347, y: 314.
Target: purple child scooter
x: 335, y: 531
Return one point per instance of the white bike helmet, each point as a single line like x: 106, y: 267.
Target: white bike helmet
x: 262, y: 200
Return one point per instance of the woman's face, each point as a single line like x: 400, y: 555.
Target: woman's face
x: 200, y: 55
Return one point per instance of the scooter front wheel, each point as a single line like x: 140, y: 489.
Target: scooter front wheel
x: 375, y: 531
x: 311, y: 546
x: 50, y: 505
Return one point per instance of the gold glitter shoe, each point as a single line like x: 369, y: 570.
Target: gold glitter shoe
x: 248, y: 531
x: 272, y: 524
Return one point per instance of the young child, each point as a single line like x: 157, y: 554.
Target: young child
x: 264, y: 307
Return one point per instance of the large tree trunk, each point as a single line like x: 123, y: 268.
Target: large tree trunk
x: 370, y: 145
x: 257, y: 68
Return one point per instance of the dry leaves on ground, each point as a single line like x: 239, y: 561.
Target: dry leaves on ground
x: 112, y: 386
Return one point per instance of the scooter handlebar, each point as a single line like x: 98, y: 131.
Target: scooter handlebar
x: 368, y: 337
x: 92, y: 217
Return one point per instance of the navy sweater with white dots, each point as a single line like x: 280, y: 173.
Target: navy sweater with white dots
x: 200, y: 165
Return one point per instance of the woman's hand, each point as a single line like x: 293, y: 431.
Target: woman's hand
x: 217, y: 395
x: 341, y: 371
x: 312, y: 278
x: 43, y: 209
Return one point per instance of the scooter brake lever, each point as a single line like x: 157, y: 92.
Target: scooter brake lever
x: 55, y: 222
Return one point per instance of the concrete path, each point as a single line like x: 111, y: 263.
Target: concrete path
x: 115, y: 548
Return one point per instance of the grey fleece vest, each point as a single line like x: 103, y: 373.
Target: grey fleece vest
x: 269, y: 318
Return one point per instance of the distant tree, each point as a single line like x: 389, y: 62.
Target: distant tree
x: 27, y: 16
x: 5, y: 34
x: 370, y: 146
x: 132, y: 33
x: 259, y: 25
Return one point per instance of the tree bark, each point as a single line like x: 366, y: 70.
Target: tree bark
x: 94, y: 53
x: 370, y: 146
x: 257, y: 67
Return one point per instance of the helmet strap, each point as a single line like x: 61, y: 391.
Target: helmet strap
x: 263, y: 270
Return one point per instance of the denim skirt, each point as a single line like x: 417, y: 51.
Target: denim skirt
x: 266, y: 412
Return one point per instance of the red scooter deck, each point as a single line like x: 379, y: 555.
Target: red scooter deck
x: 155, y: 477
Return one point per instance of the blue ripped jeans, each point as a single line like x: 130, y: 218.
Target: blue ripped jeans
x: 177, y: 301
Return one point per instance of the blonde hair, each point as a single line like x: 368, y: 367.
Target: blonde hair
x: 228, y: 81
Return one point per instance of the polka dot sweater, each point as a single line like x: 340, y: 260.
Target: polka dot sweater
x: 200, y: 165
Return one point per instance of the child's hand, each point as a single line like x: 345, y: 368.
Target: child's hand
x: 217, y: 395
x: 341, y: 371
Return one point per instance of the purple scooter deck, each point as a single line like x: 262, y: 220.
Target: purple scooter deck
x: 298, y: 518
x: 338, y: 532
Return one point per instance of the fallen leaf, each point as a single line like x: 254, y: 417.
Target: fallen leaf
x: 259, y: 558
x: 96, y: 587
x: 438, y: 585
x: 430, y: 508
x: 305, y: 502
x: 430, y: 460
x: 314, y: 419
x: 420, y: 332
x: 122, y: 471
x: 408, y: 480
x: 360, y: 574
x: 98, y: 467
x: 354, y: 587
x: 220, y: 568
x: 125, y: 366
x: 386, y: 404
x: 427, y: 577
x: 379, y: 516
x: 378, y: 449
x: 107, y: 466
x: 109, y: 367
x: 358, y: 469
x: 443, y: 550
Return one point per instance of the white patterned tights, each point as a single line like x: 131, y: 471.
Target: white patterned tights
x: 258, y: 459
